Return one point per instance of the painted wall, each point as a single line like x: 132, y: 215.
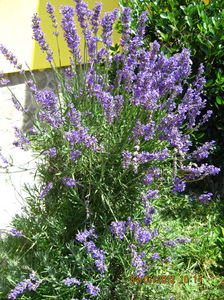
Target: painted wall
x: 16, y: 31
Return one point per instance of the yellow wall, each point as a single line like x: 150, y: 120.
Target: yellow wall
x: 16, y: 32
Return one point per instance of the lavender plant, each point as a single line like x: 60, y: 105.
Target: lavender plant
x: 111, y: 144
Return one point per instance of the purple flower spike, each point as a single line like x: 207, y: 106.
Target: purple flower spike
x: 107, y: 24
x: 127, y: 156
x: 82, y: 236
x: 168, y: 259
x: 179, y: 185
x: 12, y: 59
x: 22, y: 141
x: 204, y: 198
x: 95, y: 17
x: 140, y: 265
x: 50, y: 11
x: 46, y: 189
x: 70, y: 32
x: 22, y: 286
x: 155, y: 256
x: 69, y: 181
x: 126, y: 19
x: 91, y: 289
x: 51, y: 152
x: 83, y: 14
x: 75, y: 154
x: 38, y: 36
x: 3, y: 81
x: 68, y: 281
x: 118, y: 229
x: 16, y: 233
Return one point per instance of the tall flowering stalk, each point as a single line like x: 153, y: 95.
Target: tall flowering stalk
x: 38, y: 36
x: 70, y: 31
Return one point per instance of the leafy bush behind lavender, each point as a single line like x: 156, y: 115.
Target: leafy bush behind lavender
x: 108, y: 148
x: 192, y: 24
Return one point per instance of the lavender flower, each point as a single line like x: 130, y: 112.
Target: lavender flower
x: 97, y: 254
x: 142, y: 235
x: 203, y: 151
x: 95, y: 17
x: 126, y: 19
x: 144, y: 156
x: 70, y: 31
x: 22, y: 141
x: 140, y: 265
x: 38, y: 36
x: 81, y: 136
x: 182, y: 241
x: 137, y: 41
x: 50, y: 11
x: 3, y: 81
x: 83, y: 14
x: 107, y: 100
x: 127, y: 156
x: 150, y: 175
x: 46, y: 189
x: 107, y: 25
x: 193, y: 172
x: 151, y: 194
x: 48, y: 102
x: 75, y: 154
x: 16, y: 233
x: 118, y: 229
x: 17, y: 104
x: 68, y: 72
x: 119, y: 101
x: 178, y: 185
x: 170, y: 243
x: 69, y: 181
x: 50, y: 8
x: 51, y: 152
x: 91, y: 45
x: 129, y: 224
x: 175, y: 243
x: 204, y: 119
x: 75, y: 115
x: 91, y: 289
x: 155, y: 256
x: 205, y: 197
x: 168, y: 259
x: 82, y: 236
x: 5, y: 161
x: 12, y: 59
x: 68, y: 281
x: 23, y: 285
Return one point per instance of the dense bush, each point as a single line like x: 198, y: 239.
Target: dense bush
x: 191, y: 24
x: 114, y: 155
